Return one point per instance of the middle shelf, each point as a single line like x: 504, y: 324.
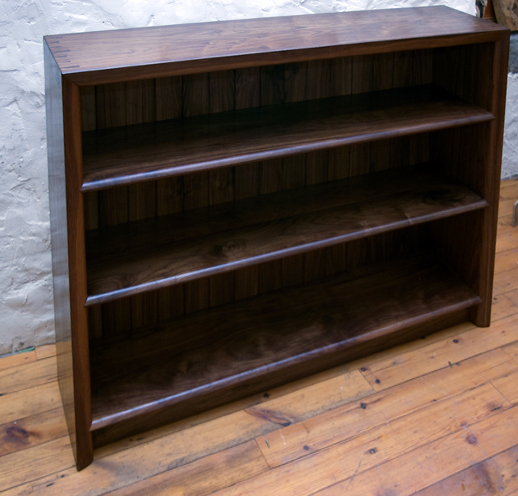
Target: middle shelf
x: 148, y: 255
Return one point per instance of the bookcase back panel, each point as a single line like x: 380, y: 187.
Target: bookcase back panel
x: 149, y: 100
x: 466, y: 71
x: 122, y: 204
x: 144, y: 312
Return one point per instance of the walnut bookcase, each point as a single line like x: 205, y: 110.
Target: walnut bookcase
x: 237, y: 204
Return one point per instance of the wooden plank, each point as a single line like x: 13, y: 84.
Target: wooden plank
x: 31, y: 464
x: 441, y: 458
x: 24, y: 433
x: 505, y: 282
x: 17, y: 359
x: 144, y: 310
x: 513, y: 297
x: 116, y: 318
x: 45, y: 351
x: 509, y: 189
x: 122, y: 156
x: 311, y: 400
x: 110, y: 105
x: 246, y: 282
x: 504, y: 223
x: 297, y: 88
x: 140, y: 101
x: 318, y: 432
x: 142, y: 201
x: 320, y: 325
x: 494, y: 475
x: 272, y: 227
x: 91, y: 201
x: 386, y: 373
x: 507, y: 260
x: 196, y: 102
x: 170, y: 302
x: 168, y: 94
x: 142, y: 197
x: 506, y: 241
x: 383, y: 76
x: 30, y: 401
x: 42, y: 485
x: 28, y: 375
x: 222, y: 87
x: 512, y: 350
x: 503, y: 306
x: 350, y: 458
x: 319, y: 85
x: 203, y: 476
x: 270, y: 171
x: 507, y: 205
x: 507, y: 385
x: 88, y: 108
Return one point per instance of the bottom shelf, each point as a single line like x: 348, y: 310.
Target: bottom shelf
x: 218, y: 355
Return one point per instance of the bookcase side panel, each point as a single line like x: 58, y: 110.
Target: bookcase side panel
x: 58, y: 218
x: 472, y: 156
x: 69, y: 270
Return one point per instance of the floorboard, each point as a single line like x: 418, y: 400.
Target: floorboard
x: 436, y: 416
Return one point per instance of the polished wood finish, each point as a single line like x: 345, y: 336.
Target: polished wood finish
x: 129, y: 155
x: 194, y: 245
x: 96, y: 58
x: 403, y: 411
x: 231, y: 183
x: 68, y: 255
x: 267, y: 340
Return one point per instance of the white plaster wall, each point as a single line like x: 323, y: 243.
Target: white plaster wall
x: 510, y: 151
x: 26, y: 309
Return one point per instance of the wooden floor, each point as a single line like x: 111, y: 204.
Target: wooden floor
x: 437, y: 416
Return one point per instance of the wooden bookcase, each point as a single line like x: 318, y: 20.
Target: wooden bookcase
x: 235, y: 205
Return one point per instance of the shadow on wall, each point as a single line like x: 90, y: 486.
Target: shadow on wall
x: 513, y: 54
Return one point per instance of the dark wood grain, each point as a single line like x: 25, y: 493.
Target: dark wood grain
x: 151, y: 151
x: 213, y: 241
x: 204, y: 165
x: 68, y: 257
x: 472, y: 155
x: 58, y: 216
x: 196, y: 192
x: 247, y: 176
x: 270, y: 334
x: 170, y: 50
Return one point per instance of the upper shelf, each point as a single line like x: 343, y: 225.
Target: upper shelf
x: 105, y: 56
x: 130, y: 154
x: 226, y: 237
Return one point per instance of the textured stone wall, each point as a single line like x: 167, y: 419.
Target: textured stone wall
x: 26, y: 315
x: 510, y: 152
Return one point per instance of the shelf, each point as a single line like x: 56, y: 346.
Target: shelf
x: 148, y: 255
x: 136, y: 153
x: 305, y: 329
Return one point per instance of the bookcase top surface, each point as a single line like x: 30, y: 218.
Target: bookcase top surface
x: 104, y: 56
